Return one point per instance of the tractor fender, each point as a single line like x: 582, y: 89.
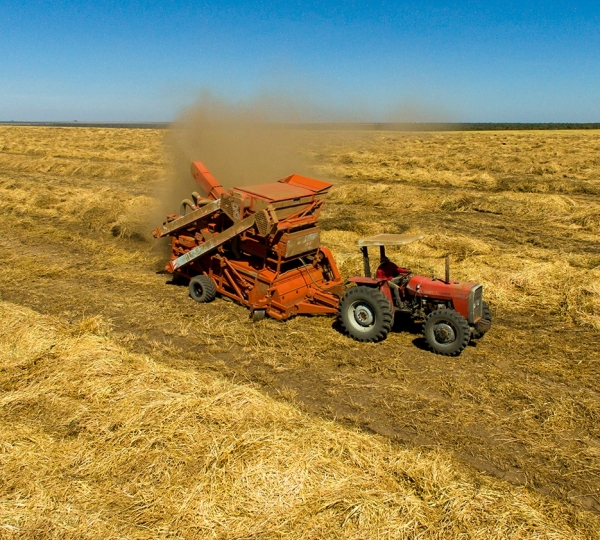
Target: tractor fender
x: 381, y: 284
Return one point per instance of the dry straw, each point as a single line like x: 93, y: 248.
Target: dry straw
x: 98, y: 442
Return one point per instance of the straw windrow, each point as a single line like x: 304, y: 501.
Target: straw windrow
x: 98, y: 442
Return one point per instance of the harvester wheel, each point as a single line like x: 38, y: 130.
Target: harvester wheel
x: 366, y: 314
x: 446, y: 331
x: 487, y: 315
x: 202, y: 289
x: 259, y: 314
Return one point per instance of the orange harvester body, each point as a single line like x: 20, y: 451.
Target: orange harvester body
x: 260, y: 244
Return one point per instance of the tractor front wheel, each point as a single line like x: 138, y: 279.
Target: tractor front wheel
x: 202, y: 289
x: 366, y: 314
x: 446, y: 331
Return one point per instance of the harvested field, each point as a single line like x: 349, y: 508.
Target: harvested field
x: 129, y: 410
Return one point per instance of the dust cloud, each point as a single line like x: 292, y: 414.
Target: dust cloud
x: 251, y: 142
x: 258, y: 140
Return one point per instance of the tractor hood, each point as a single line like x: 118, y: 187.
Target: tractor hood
x: 438, y: 288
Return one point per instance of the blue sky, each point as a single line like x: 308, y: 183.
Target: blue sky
x: 470, y: 61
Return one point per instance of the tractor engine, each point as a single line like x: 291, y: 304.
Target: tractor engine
x: 430, y: 293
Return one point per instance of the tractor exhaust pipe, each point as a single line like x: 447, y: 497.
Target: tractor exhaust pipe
x: 448, y: 268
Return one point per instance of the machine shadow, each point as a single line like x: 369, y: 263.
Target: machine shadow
x: 421, y: 343
x: 176, y: 279
x: 403, y: 322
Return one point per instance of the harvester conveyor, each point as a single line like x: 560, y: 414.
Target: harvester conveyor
x: 214, y: 242
x: 177, y: 224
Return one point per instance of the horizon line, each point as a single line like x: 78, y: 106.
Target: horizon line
x: 375, y: 126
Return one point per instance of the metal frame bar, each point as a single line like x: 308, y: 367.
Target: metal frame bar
x: 366, y: 265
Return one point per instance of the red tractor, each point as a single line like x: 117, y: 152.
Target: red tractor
x: 453, y: 312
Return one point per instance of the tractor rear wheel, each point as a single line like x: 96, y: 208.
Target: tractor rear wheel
x: 487, y: 315
x: 366, y: 314
x: 202, y: 289
x: 446, y: 331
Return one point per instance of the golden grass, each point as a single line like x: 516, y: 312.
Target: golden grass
x: 539, y: 162
x: 76, y: 209
x: 442, y: 182
x: 98, y: 442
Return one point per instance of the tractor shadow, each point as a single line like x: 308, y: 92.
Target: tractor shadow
x: 420, y: 343
x: 337, y: 326
x: 403, y: 323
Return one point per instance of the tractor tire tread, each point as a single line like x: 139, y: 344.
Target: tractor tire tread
x: 460, y: 322
x: 380, y: 302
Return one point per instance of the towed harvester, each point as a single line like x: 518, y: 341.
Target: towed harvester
x: 260, y: 246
